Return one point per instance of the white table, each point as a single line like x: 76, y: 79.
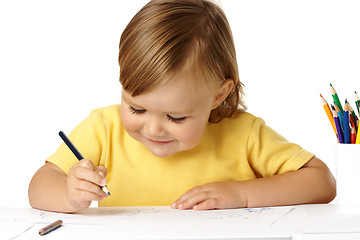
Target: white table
x: 318, y: 221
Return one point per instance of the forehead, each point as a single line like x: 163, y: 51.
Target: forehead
x: 174, y: 96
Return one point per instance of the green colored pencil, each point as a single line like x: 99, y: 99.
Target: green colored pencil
x: 357, y: 102
x: 336, y: 98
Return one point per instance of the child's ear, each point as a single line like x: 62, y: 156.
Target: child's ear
x: 223, y: 92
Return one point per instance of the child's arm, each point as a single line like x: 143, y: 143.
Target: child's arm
x: 52, y: 190
x: 313, y: 183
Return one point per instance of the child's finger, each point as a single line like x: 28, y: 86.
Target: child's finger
x: 90, y: 187
x: 208, y: 204
x: 86, y: 163
x: 102, y: 170
x: 85, y: 196
x: 191, y: 200
x: 89, y: 175
x: 186, y: 195
x: 82, y: 198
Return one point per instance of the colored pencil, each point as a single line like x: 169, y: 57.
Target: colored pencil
x: 78, y: 154
x: 353, y: 134
x: 340, y: 115
x: 353, y: 118
x: 328, y: 112
x: 357, y: 102
x: 346, y: 126
x: 336, y: 98
x: 50, y: 227
x: 338, y: 127
x: 358, y: 135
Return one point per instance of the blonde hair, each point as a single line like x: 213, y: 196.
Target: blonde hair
x: 190, y: 36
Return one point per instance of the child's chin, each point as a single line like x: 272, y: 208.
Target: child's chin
x: 161, y: 153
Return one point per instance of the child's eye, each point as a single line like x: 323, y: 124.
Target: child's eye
x: 136, y: 111
x: 176, y: 120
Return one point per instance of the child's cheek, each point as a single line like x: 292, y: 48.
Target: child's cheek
x: 190, y: 135
x: 129, y: 120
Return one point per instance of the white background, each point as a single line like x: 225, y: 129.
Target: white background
x: 58, y: 61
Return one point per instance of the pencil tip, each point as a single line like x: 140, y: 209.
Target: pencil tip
x: 321, y: 95
x: 330, y: 85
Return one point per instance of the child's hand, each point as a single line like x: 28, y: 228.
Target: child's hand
x: 217, y: 195
x: 83, y: 183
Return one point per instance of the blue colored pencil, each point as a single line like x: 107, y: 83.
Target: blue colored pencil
x: 78, y: 154
x: 346, y: 124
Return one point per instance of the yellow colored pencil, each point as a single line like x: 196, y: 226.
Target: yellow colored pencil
x: 328, y: 112
x: 358, y: 136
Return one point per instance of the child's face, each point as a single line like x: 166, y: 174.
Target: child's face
x: 168, y: 119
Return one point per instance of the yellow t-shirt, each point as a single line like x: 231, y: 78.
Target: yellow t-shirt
x: 232, y: 150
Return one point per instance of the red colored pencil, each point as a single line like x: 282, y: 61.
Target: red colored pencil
x: 353, y: 134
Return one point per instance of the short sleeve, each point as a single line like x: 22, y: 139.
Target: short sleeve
x: 269, y: 153
x: 89, y: 137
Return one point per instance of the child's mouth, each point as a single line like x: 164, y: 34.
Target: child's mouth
x: 159, y: 142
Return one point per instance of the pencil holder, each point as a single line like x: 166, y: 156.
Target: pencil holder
x: 347, y: 159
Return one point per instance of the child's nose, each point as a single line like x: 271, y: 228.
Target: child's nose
x: 154, y: 128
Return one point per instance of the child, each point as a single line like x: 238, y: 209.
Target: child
x: 181, y: 135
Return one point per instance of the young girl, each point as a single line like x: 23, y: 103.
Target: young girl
x: 181, y: 136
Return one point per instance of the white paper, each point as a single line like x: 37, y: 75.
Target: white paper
x: 154, y: 223
x: 14, y: 230
x: 20, y: 214
x: 167, y: 223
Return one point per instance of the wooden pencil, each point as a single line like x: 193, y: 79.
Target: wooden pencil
x: 50, y: 227
x: 336, y: 98
x: 340, y: 115
x: 353, y: 134
x: 353, y: 118
x: 346, y: 124
x: 328, y: 112
x: 357, y: 102
x: 78, y: 155
x: 358, y: 135
x: 338, y: 127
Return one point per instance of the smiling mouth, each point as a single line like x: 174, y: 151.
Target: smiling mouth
x: 160, y: 142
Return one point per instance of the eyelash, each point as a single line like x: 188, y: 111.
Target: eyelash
x: 137, y: 111
x: 176, y: 120
x: 170, y: 118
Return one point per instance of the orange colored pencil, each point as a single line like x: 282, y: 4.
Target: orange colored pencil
x: 328, y: 112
